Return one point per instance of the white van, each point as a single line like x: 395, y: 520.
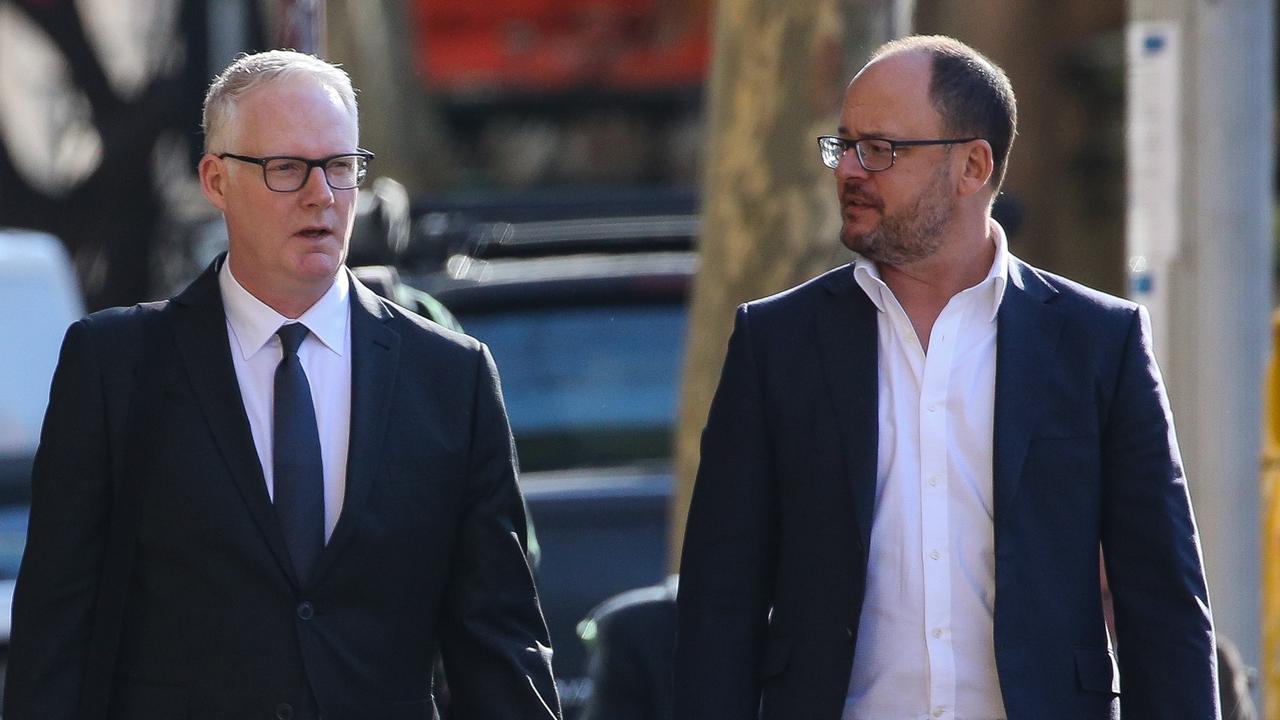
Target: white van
x: 40, y: 297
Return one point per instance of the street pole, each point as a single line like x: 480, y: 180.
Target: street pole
x: 300, y: 26
x: 1200, y: 161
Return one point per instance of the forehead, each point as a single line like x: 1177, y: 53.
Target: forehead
x: 293, y: 116
x: 890, y: 98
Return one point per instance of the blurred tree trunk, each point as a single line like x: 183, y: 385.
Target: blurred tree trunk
x: 1066, y: 63
x: 376, y: 42
x: 108, y: 219
x: 769, y: 216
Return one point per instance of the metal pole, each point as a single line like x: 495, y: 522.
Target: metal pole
x: 1200, y: 156
x: 301, y: 26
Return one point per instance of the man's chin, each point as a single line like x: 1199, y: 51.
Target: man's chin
x: 858, y: 242
x: 319, y: 265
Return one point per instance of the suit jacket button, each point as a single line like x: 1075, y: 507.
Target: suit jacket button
x: 284, y: 711
x: 306, y: 611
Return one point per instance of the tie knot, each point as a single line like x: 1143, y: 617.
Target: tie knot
x: 291, y: 336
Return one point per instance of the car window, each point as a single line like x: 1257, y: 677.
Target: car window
x: 587, y: 386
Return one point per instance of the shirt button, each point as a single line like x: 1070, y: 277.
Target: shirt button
x: 937, y: 632
x: 939, y: 711
x: 933, y: 408
x: 933, y: 481
x: 935, y: 554
x: 306, y: 611
x: 284, y: 711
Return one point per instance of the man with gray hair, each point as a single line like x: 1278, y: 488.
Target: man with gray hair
x: 276, y: 495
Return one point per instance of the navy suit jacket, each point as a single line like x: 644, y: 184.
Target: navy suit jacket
x: 775, y: 556
x: 428, y: 552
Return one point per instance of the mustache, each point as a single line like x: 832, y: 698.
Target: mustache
x: 854, y: 193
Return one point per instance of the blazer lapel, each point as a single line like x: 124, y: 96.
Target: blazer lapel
x: 375, y: 354
x: 1027, y: 330
x: 200, y: 331
x: 846, y: 328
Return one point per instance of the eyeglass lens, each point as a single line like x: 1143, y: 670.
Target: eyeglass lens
x: 873, y: 154
x: 342, y: 173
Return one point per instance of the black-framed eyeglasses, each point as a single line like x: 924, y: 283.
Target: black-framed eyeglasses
x: 283, y: 173
x: 874, y: 154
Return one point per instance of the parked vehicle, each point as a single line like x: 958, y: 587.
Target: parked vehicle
x: 586, y: 320
x: 41, y: 297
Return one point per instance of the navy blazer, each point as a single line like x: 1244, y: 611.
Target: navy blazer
x: 428, y: 552
x: 775, y: 558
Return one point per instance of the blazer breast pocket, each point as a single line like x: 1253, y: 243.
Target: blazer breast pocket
x: 1065, y: 455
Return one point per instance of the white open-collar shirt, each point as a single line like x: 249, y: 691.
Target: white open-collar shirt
x: 326, y: 359
x: 925, y: 648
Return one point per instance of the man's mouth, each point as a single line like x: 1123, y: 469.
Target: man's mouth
x: 854, y: 200
x: 856, y: 205
x: 314, y: 232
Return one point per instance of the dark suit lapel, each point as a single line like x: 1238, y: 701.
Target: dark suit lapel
x: 1027, y: 330
x: 375, y: 355
x: 846, y: 328
x: 200, y: 331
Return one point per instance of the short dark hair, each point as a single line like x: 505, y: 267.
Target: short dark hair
x: 971, y: 93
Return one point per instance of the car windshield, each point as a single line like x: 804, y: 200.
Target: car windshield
x: 587, y: 386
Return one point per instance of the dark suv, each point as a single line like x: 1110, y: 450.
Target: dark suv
x: 586, y: 319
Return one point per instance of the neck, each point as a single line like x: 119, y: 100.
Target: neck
x: 924, y: 287
x: 963, y: 261
x: 291, y: 306
x: 291, y: 302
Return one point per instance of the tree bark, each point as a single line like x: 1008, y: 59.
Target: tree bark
x: 375, y: 41
x: 770, y: 218
x: 108, y: 221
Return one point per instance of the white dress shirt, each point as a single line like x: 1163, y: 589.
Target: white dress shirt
x: 326, y: 359
x: 925, y: 649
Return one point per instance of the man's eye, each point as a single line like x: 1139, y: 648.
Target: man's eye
x: 284, y: 166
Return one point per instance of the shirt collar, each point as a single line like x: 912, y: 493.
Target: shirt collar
x: 254, y: 323
x: 867, y: 275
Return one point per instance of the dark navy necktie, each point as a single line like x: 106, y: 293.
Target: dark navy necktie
x: 298, y: 470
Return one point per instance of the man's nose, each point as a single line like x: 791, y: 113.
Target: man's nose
x: 315, y: 190
x: 849, y: 167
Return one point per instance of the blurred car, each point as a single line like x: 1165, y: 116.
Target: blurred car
x: 41, y: 297
x: 586, y: 320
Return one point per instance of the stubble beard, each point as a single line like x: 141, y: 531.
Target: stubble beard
x: 910, y: 234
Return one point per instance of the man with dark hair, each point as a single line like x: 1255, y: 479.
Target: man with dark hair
x: 276, y: 495
x: 912, y: 461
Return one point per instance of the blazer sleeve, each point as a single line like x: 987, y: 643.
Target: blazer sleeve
x: 1152, y: 550
x: 494, y: 641
x: 728, y: 559
x: 58, y: 579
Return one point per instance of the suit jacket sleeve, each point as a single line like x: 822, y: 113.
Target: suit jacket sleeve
x: 57, y: 583
x: 1154, y: 567
x: 729, y: 551
x: 494, y: 641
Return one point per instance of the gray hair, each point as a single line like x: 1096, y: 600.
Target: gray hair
x: 251, y: 71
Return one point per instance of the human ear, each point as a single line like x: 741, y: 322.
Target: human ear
x: 979, y: 163
x: 213, y: 180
